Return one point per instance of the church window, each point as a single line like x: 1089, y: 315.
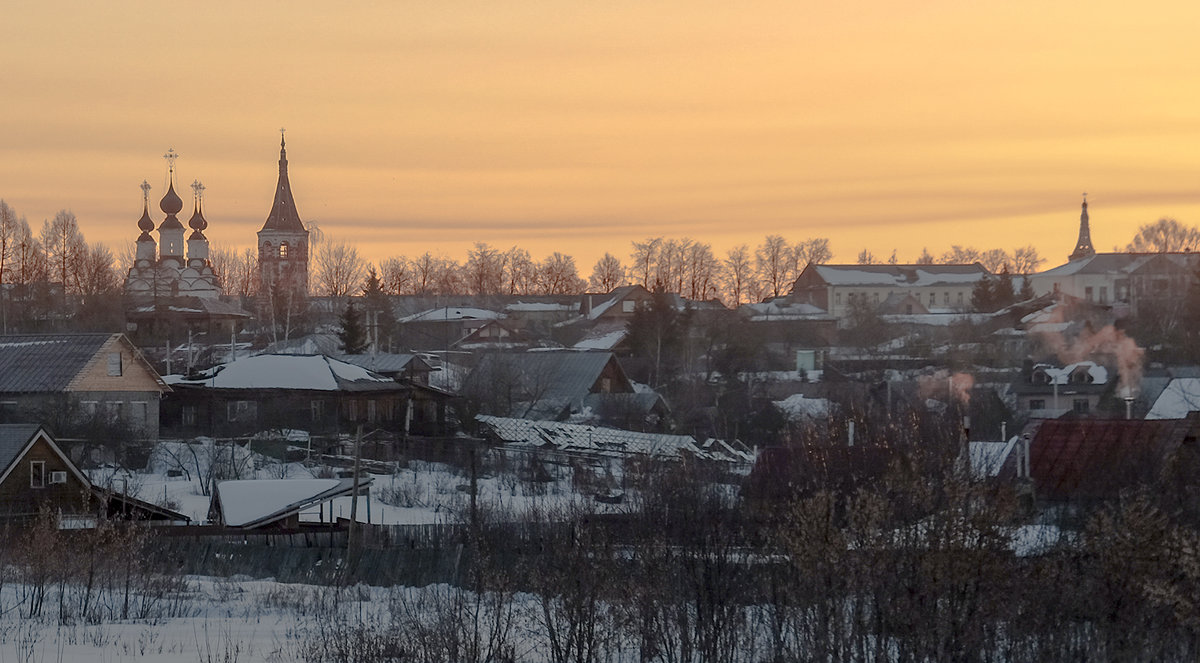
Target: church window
x: 283, y: 250
x: 266, y: 250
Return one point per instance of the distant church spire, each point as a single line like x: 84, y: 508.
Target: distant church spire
x: 283, y: 214
x: 1083, y: 246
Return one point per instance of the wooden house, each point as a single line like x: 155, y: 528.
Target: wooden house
x: 273, y: 392
x: 37, y: 476
x: 69, y: 379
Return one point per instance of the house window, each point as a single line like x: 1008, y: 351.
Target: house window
x: 876, y: 298
x: 1087, y: 293
x: 960, y: 299
x: 114, y: 364
x: 90, y: 408
x: 242, y: 411
x: 932, y: 298
x: 1080, y: 405
x: 945, y: 299
x: 283, y: 250
x: 317, y: 408
x: 352, y: 410
x: 628, y: 306
x: 837, y: 299
x: 1103, y: 294
x: 137, y: 413
x: 37, y: 474
x: 605, y: 385
x: 189, y: 415
x: 1037, y: 404
x: 371, y: 411
x: 112, y: 410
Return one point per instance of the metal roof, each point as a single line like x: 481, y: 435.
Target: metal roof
x: 1097, y: 458
x: 39, y: 363
x: 595, y: 440
x: 13, y: 438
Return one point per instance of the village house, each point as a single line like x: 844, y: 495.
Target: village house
x: 936, y: 288
x: 561, y: 385
x: 274, y: 392
x: 37, y: 477
x: 74, y: 379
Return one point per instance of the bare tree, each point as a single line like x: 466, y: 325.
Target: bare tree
x: 771, y: 259
x: 339, y: 270
x: 644, y: 257
x: 607, y: 274
x: 738, y: 272
x: 703, y: 272
x: 396, y: 275
x: 1026, y: 259
x: 484, y: 269
x: 520, y: 273
x: 557, y: 275
x: 865, y: 257
x: 961, y: 255
x: 995, y: 260
x: 96, y: 275
x: 1165, y: 236
x: 64, y: 247
x: 926, y: 258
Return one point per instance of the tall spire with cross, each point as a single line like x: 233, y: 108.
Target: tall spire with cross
x: 1083, y: 246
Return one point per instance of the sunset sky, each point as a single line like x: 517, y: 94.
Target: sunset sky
x: 579, y: 127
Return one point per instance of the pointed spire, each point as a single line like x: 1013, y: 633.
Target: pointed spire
x: 1083, y: 246
x: 283, y: 215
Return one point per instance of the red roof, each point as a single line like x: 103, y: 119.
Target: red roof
x: 1073, y: 459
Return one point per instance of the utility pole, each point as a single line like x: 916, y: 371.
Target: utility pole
x: 352, y: 533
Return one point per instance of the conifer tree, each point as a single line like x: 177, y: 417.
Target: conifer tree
x: 353, y: 334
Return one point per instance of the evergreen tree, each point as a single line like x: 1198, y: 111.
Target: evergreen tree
x: 378, y: 309
x: 353, y: 334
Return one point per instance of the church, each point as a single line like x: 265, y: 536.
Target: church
x: 160, y: 270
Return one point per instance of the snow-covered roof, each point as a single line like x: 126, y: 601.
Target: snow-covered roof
x: 1181, y: 396
x: 798, y: 407
x: 309, y: 372
x: 583, y: 439
x: 900, y: 275
x: 1098, y: 373
x: 541, y: 307
x: 781, y: 309
x: 603, y: 337
x: 988, y: 457
x: 258, y: 502
x: 453, y: 313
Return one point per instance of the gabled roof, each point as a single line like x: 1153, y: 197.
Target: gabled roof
x: 552, y: 381
x: 387, y: 363
x: 41, y: 363
x: 259, y: 502
x: 1097, y: 458
x: 1181, y: 396
x: 17, y: 439
x: 302, y: 372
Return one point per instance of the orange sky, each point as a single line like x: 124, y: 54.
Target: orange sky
x: 579, y: 127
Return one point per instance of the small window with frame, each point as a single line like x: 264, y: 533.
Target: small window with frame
x: 114, y: 364
x: 37, y: 474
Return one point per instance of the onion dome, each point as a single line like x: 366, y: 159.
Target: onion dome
x: 198, y: 223
x: 171, y: 203
x: 145, y: 224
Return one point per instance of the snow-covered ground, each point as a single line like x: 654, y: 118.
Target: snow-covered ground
x: 416, y: 493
